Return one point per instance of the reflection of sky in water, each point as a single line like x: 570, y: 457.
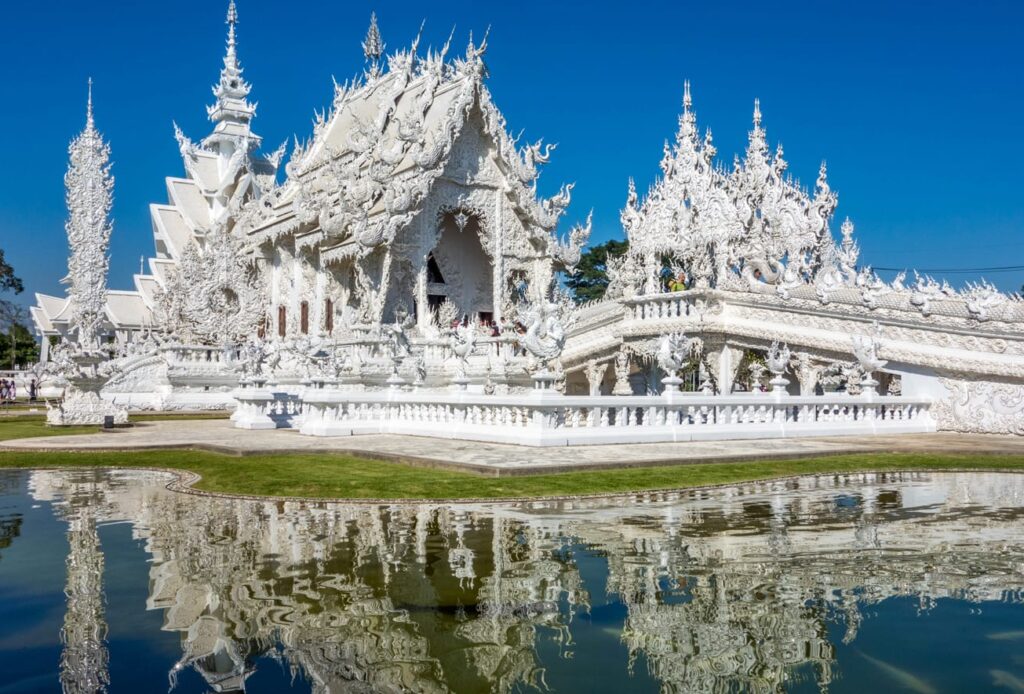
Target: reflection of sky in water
x: 897, y: 582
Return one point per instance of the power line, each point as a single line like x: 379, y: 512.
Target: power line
x: 973, y: 270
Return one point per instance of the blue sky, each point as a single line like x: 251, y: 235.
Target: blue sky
x: 916, y: 106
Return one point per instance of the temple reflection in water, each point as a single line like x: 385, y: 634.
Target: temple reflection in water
x: 738, y: 588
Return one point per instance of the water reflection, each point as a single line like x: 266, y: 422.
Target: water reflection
x: 753, y: 588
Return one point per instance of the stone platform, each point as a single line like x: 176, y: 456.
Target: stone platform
x: 502, y: 459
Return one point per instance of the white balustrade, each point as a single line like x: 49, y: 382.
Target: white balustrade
x: 544, y: 418
x: 658, y: 307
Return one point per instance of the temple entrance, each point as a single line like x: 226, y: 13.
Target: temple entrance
x: 459, y: 270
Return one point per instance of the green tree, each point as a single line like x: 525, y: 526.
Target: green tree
x: 589, y: 280
x: 8, y: 280
x: 17, y: 347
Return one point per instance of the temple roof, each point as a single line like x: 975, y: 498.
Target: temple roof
x: 389, y: 135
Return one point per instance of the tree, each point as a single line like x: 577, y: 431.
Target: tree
x: 589, y: 280
x: 17, y: 347
x: 8, y: 280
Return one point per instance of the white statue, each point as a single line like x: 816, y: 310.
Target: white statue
x: 545, y: 334
x: 865, y: 349
x: 461, y: 341
x: 673, y: 354
x: 777, y: 360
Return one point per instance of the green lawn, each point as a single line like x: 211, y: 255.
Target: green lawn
x: 318, y: 475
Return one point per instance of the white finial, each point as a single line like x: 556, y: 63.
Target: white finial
x: 88, y: 109
x: 757, y: 112
x: 373, y: 47
x: 687, y: 99
x: 231, y: 22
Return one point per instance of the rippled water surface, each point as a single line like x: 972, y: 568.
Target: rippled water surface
x: 897, y: 582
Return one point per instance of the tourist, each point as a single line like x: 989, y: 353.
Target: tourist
x: 33, y: 390
x: 677, y: 283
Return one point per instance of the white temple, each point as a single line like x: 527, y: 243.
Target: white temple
x: 404, y: 277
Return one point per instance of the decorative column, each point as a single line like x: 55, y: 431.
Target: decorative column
x: 622, y: 366
x: 498, y: 260
x: 807, y: 372
x: 423, y: 317
x: 86, y: 363
x: 595, y: 375
x: 723, y: 362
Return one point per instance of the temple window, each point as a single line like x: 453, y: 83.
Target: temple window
x: 329, y: 316
x: 304, y: 317
x: 282, y: 318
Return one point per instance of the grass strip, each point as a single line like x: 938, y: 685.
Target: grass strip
x: 335, y: 476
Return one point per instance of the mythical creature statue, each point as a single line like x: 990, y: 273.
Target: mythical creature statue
x: 981, y: 298
x: 253, y: 357
x: 462, y: 340
x: 865, y: 349
x: 777, y: 360
x: 545, y: 332
x: 926, y: 290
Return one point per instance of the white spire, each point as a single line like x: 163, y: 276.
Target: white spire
x: 89, y: 122
x: 687, y: 99
x: 89, y: 191
x: 232, y: 21
x: 373, y: 47
x: 757, y: 113
x: 232, y: 112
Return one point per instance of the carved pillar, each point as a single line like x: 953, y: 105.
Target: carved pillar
x: 807, y: 372
x: 422, y: 303
x: 724, y: 362
x: 595, y: 375
x: 622, y: 365
x: 293, y: 302
x: 498, y: 264
x: 275, y: 292
x: 320, y: 298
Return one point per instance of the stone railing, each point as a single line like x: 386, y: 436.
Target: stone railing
x: 545, y: 418
x: 177, y: 355
x: 652, y: 307
x: 260, y: 407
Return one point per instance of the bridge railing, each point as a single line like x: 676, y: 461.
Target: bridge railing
x: 545, y: 418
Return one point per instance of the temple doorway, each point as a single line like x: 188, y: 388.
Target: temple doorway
x: 459, y: 270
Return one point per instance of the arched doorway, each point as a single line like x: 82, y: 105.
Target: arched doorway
x: 458, y: 269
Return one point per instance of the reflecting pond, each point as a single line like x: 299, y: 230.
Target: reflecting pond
x: 884, y: 582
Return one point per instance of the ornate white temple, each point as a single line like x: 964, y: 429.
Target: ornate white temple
x: 403, y: 276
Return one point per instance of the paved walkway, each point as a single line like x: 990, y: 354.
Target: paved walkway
x: 501, y: 459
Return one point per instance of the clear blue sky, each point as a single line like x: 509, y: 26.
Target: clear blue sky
x: 916, y: 106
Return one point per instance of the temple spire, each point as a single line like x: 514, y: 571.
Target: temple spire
x: 687, y: 99
x: 373, y: 47
x: 89, y: 121
x: 89, y: 189
x: 757, y: 113
x: 232, y: 21
x: 232, y: 113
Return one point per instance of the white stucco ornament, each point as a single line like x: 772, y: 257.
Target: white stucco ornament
x: 777, y: 361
